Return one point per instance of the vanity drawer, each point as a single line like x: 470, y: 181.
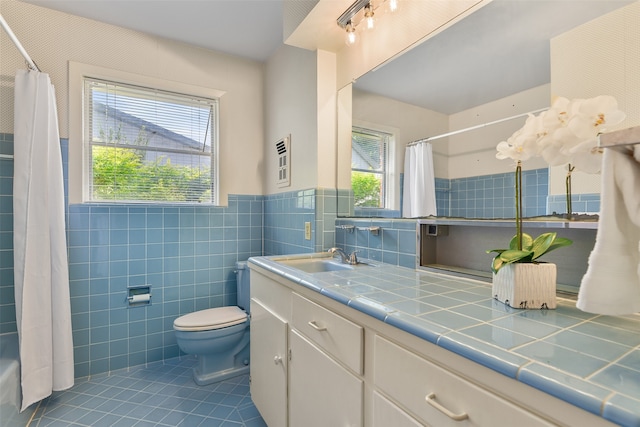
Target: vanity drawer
x: 336, y: 335
x: 438, y: 397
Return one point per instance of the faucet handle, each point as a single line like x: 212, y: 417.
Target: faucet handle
x: 353, y: 259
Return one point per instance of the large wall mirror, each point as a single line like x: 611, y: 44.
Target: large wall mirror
x: 506, y: 59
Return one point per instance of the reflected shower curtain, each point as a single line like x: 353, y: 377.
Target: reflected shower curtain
x: 43, y: 307
x: 419, y: 194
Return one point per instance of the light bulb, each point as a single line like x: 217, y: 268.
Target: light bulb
x: 369, y: 16
x: 393, y: 5
x: 352, y: 38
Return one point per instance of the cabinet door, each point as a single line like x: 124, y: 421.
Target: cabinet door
x: 269, y: 364
x: 386, y: 414
x: 321, y: 392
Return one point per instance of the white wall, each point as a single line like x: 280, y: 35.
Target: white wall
x: 473, y: 153
x: 291, y: 108
x: 601, y: 57
x: 327, y: 120
x: 53, y: 38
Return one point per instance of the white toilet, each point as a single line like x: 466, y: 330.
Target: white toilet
x: 219, y: 337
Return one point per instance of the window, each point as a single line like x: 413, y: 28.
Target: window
x: 369, y: 168
x: 149, y: 145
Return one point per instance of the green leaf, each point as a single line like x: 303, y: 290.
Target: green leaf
x: 499, y: 251
x: 527, y: 242
x: 542, y: 243
x: 496, y: 264
x: 559, y: 243
x: 531, y: 249
x: 514, y: 255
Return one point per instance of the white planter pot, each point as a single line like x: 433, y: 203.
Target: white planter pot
x: 526, y: 285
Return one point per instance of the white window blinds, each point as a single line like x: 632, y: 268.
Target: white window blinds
x: 148, y: 145
x: 369, y: 167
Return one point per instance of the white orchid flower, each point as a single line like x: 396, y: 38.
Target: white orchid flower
x: 595, y: 115
x: 558, y: 115
x: 565, y: 134
x: 522, y: 145
x: 587, y: 156
x: 553, y: 153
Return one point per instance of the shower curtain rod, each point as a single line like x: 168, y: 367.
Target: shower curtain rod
x: 30, y: 64
x: 455, y: 132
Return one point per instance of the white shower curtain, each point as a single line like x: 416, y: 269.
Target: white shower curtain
x: 419, y: 195
x: 43, y: 306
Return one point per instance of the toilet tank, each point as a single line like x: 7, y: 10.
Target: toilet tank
x: 242, y: 276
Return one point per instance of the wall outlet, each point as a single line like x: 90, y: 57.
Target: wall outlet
x: 307, y: 230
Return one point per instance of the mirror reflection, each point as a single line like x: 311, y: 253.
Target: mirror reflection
x: 480, y: 77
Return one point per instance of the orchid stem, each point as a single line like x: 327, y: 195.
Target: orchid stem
x: 519, y: 204
x: 568, y: 191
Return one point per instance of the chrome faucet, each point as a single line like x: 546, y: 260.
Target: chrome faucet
x: 350, y: 259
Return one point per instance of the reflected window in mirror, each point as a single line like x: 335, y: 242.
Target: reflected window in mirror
x: 370, y: 168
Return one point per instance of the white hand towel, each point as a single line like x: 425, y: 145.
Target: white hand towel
x: 611, y: 284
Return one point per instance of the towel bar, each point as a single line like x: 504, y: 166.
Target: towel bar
x: 349, y: 228
x: 373, y: 230
x: 619, y: 138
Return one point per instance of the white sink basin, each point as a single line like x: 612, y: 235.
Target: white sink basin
x: 315, y: 265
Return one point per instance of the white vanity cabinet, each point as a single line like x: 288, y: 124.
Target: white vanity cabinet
x: 317, y: 362
x: 269, y: 360
x: 270, y: 317
x: 306, y: 361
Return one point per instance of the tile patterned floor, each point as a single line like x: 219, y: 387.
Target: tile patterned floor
x: 159, y: 394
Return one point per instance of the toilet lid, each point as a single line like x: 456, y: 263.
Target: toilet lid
x: 209, y: 319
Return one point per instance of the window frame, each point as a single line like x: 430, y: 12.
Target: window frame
x: 79, y: 167
x: 387, y: 138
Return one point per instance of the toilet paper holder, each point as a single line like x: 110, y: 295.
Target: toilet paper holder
x: 138, y: 296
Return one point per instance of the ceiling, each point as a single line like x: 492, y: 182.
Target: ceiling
x: 247, y: 28
x: 484, y: 57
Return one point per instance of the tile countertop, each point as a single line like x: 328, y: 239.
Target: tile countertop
x: 591, y: 361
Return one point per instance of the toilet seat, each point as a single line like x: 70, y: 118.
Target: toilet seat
x: 210, y: 319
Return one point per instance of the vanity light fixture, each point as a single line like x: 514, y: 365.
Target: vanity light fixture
x: 352, y: 37
x: 369, y: 16
x: 348, y: 16
x: 362, y: 10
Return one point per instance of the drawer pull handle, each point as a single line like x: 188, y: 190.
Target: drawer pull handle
x: 431, y: 400
x: 277, y: 360
x: 315, y: 326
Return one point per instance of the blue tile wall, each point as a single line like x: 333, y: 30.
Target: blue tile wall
x: 492, y: 196
x: 580, y: 203
x: 443, y: 196
x: 284, y: 217
x: 186, y: 253
x: 394, y: 244
x: 7, y: 300
x: 326, y: 215
x: 345, y: 202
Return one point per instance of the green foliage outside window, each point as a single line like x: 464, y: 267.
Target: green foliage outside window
x: 366, y: 189
x: 122, y: 174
